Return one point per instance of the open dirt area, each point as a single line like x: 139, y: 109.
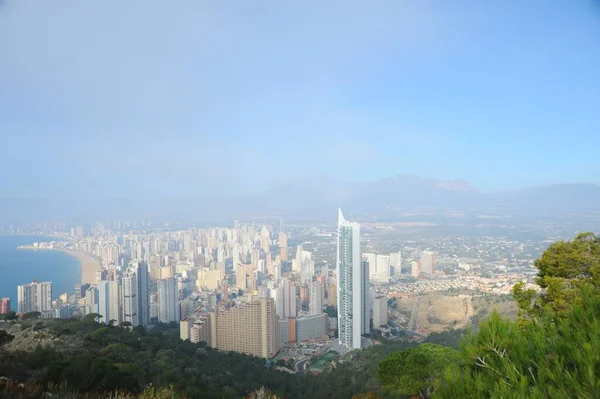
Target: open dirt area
x: 436, y: 312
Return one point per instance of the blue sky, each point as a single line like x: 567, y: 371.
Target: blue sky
x: 137, y: 98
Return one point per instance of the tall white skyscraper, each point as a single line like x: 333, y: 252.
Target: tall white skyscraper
x: 108, y: 301
x: 130, y: 300
x: 168, y: 300
x: 352, y: 285
x: 34, y: 297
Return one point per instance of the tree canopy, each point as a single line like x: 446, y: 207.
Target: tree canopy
x: 563, y: 270
x: 414, y: 371
x: 553, y: 351
x: 546, y: 358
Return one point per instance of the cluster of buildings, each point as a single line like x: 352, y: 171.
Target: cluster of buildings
x: 224, y: 286
x: 273, y: 310
x: 498, y: 285
x: 116, y: 298
x: 380, y: 266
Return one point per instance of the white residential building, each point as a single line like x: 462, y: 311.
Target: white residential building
x: 352, y: 285
x: 382, y: 269
x: 130, y: 300
x: 168, y: 299
x: 34, y: 297
x: 108, y: 301
x: 427, y: 262
x: 396, y: 262
x: 285, y: 299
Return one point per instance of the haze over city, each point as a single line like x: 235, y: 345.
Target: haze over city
x: 312, y: 200
x: 138, y: 99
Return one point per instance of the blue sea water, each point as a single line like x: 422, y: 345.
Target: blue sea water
x: 21, y: 266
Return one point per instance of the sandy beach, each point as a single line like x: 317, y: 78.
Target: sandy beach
x: 89, y: 265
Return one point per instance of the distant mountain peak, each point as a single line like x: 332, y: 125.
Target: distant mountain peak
x: 456, y: 185
x: 447, y: 185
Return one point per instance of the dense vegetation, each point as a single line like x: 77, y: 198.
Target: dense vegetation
x: 114, y: 357
x: 107, y: 358
x: 552, y: 351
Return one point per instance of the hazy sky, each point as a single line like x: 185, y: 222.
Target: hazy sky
x: 180, y: 98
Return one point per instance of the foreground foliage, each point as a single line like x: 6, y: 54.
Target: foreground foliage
x: 546, y: 358
x: 415, y: 371
x: 552, y: 351
x: 564, y: 269
x: 116, y: 358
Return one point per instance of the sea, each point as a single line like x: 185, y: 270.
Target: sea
x: 21, y: 266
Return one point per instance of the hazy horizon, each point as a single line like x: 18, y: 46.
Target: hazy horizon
x: 199, y: 99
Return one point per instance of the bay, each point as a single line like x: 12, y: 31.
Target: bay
x: 21, y: 266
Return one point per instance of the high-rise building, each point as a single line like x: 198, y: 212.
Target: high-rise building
x: 382, y: 274
x: 91, y: 300
x: 285, y: 299
x: 332, y: 293
x: 108, y: 301
x: 168, y: 299
x: 372, y: 259
x: 80, y: 290
x: 129, y: 299
x: 283, y: 246
x: 315, y: 297
x: 276, y: 269
x: 396, y: 263
x: 427, y: 262
x: 63, y: 312
x: 34, y: 297
x: 307, y: 266
x: 143, y: 281
x: 379, y: 267
x: 4, y: 305
x: 250, y: 328
x: 380, y: 316
x: 352, y: 285
x: 415, y: 269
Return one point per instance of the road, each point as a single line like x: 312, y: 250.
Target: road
x: 414, y: 315
x: 300, y: 365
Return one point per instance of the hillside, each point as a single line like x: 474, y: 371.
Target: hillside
x: 88, y: 357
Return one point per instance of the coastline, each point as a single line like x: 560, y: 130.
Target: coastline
x: 87, y: 263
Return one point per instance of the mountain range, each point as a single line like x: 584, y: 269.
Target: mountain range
x: 318, y: 199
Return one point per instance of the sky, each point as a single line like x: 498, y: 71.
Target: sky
x: 132, y: 99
